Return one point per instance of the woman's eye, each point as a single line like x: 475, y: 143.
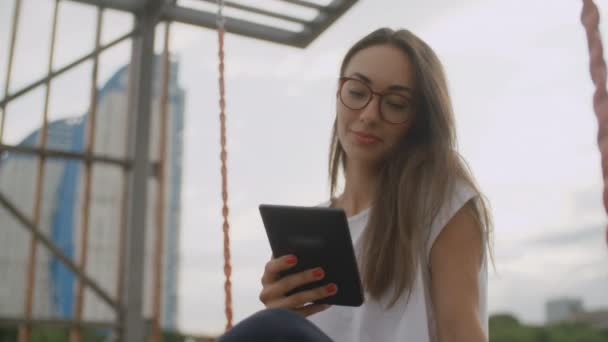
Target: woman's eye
x: 358, y: 94
x: 398, y: 106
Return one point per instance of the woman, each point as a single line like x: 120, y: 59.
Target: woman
x: 419, y: 225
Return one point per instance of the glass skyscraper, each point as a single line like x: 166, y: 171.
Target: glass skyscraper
x: 61, y: 208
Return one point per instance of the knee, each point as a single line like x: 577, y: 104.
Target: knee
x: 287, y: 325
x: 264, y: 325
x: 276, y: 320
x: 277, y: 316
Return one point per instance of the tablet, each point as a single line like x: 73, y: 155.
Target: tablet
x: 318, y: 237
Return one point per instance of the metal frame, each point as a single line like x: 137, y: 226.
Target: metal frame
x: 76, y: 333
x: 136, y: 167
x: 24, y: 331
x: 161, y: 180
x: 312, y: 29
x: 42, y: 238
x: 140, y: 94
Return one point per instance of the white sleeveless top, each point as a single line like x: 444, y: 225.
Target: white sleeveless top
x: 405, y: 321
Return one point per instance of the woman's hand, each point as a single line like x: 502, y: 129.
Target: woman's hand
x: 274, y: 289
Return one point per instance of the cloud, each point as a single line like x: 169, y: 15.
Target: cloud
x: 577, y: 236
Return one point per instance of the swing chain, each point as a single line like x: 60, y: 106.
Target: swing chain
x: 224, y: 169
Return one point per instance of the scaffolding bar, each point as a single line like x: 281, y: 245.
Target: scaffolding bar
x: 161, y: 186
x: 251, y: 9
x: 124, y: 212
x: 9, y: 67
x: 88, y: 174
x: 26, y: 89
x: 143, y: 62
x: 324, y: 20
x: 306, y: 4
x: 122, y: 233
x: 236, y: 26
x: 52, y: 153
x: 132, y: 6
x: 24, y: 331
x: 35, y: 231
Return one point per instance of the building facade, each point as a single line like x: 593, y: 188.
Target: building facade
x: 61, y: 208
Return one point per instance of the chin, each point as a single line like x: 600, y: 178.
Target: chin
x: 364, y: 157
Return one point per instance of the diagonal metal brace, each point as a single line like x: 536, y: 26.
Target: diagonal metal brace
x: 38, y: 235
x: 70, y: 66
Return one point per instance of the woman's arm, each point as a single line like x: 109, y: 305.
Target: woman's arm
x: 455, y: 263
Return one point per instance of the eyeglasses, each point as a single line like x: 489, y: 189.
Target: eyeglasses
x: 356, y: 94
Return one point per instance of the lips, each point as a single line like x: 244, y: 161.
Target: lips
x: 366, y: 138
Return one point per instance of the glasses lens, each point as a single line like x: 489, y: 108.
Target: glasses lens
x: 395, y: 108
x: 354, y: 94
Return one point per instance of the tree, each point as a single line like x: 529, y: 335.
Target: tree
x: 507, y: 328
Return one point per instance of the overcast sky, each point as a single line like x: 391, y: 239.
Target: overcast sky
x: 519, y: 79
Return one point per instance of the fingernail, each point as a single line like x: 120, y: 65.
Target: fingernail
x: 318, y: 273
x: 331, y: 288
x: 291, y: 260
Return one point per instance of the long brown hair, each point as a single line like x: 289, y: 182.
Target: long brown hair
x: 416, y: 178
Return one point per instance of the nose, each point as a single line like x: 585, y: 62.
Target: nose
x: 371, y: 112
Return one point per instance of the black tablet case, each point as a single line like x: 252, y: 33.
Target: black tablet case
x: 318, y: 237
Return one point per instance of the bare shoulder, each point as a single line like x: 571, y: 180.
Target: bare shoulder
x: 455, y: 262
x: 461, y: 237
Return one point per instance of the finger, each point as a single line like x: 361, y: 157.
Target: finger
x: 279, y: 288
x: 274, y: 266
x: 299, y: 299
x: 312, y: 309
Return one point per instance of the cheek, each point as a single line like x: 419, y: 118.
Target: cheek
x: 396, y: 134
x: 342, y: 122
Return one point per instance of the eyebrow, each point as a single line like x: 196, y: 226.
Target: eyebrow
x: 393, y: 87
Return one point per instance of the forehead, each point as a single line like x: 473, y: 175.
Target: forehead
x: 384, y: 65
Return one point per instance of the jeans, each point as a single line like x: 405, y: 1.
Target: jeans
x: 275, y: 325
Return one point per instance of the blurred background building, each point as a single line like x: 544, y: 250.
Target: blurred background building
x: 572, y: 310
x: 61, y: 208
x: 563, y: 308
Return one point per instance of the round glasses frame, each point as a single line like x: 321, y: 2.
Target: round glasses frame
x: 343, y: 80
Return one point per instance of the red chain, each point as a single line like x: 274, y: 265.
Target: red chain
x: 590, y: 18
x: 223, y: 157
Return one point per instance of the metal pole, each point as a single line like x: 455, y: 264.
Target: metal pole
x: 120, y: 5
x: 307, y: 4
x: 160, y: 198
x: 57, y: 253
x: 54, y: 153
x: 7, y: 98
x: 122, y: 233
x: 76, y: 334
x: 24, y: 331
x: 236, y: 26
x: 142, y: 59
x: 259, y: 11
x: 9, y: 68
x: 124, y: 212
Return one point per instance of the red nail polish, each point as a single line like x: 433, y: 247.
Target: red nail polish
x: 291, y: 260
x: 331, y: 288
x: 318, y: 273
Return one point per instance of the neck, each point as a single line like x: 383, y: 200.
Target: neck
x: 359, y: 188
